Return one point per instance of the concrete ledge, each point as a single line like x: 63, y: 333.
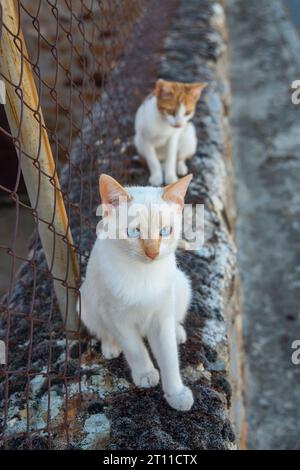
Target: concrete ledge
x: 104, y: 409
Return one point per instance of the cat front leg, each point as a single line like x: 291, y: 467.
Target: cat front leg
x: 142, y: 370
x: 187, y: 146
x: 171, y: 159
x: 147, y: 150
x: 183, y: 295
x: 162, y: 338
x: 109, y: 347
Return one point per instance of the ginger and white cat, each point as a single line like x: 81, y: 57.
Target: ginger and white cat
x: 133, y: 288
x: 163, y: 133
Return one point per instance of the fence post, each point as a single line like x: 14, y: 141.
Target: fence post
x: 26, y: 122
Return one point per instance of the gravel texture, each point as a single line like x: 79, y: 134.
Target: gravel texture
x: 97, y: 398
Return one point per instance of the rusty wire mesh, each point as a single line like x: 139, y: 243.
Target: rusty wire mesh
x: 93, y: 61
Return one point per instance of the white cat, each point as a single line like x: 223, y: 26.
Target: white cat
x: 134, y: 289
x: 163, y: 133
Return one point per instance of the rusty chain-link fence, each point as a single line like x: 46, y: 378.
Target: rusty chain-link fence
x: 74, y: 73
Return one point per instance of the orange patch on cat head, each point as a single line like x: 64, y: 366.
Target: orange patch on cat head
x: 176, y: 192
x: 170, y: 95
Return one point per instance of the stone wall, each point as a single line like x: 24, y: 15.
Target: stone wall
x: 104, y: 409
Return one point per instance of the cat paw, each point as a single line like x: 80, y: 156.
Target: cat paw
x: 181, y: 401
x: 156, y: 179
x: 150, y: 379
x: 171, y: 178
x: 180, y: 334
x: 110, y: 350
x: 182, y: 168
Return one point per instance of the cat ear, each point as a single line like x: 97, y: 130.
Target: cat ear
x: 163, y: 89
x: 111, y: 191
x: 195, y: 89
x: 175, y: 192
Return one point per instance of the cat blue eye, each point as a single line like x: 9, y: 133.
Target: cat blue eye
x: 133, y: 232
x: 165, y: 231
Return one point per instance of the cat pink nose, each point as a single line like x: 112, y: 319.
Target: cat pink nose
x: 151, y: 254
x: 151, y: 248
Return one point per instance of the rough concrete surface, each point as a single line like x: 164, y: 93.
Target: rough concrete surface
x: 104, y: 409
x: 267, y: 159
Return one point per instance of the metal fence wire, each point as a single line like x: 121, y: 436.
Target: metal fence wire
x: 74, y: 73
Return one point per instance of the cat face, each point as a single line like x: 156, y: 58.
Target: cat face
x: 177, y: 101
x: 149, y: 219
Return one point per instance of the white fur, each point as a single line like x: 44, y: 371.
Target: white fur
x: 159, y: 141
x: 126, y: 297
